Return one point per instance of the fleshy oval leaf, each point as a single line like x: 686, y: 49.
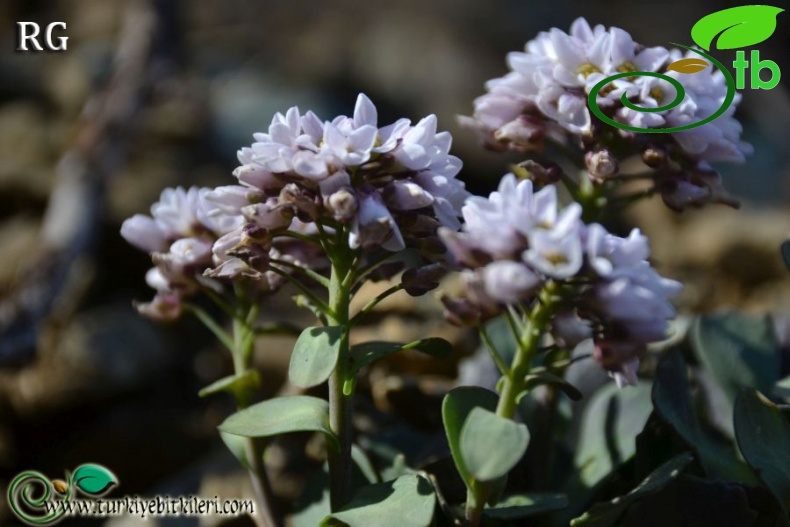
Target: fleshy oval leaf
x: 491, y: 445
x: 408, y: 501
x: 738, y: 27
x: 283, y: 415
x: 315, y: 356
x: 763, y: 434
x: 94, y: 480
x: 456, y: 406
x: 689, y: 65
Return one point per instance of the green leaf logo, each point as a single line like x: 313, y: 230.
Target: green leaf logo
x: 738, y: 27
x: 94, y: 480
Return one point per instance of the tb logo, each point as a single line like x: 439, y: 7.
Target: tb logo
x: 736, y: 27
x: 28, y: 32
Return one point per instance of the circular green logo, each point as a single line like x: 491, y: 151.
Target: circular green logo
x: 592, y: 98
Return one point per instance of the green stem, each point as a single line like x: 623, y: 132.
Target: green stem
x: 514, y: 384
x: 320, y: 304
x: 309, y: 272
x: 592, y: 198
x: 244, y: 340
x: 212, y: 325
x: 340, y: 403
x: 500, y: 363
x: 367, y: 308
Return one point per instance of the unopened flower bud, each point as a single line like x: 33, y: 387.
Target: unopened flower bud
x: 342, y: 204
x: 601, y: 164
x: 541, y: 175
x: 654, y: 157
x: 522, y: 134
x: 460, y: 311
x: 417, y: 282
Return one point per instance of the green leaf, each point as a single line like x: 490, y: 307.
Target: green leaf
x: 241, y: 385
x: 315, y: 355
x: 672, y: 397
x: 740, y: 27
x: 606, y: 514
x: 456, y: 406
x: 368, y: 352
x: 237, y: 446
x: 491, y: 445
x: 763, y: 435
x: 283, y: 415
x: 94, y: 480
x: 672, y: 401
x: 520, y: 506
x: 538, y: 379
x: 364, y: 465
x: 408, y: 501
x: 609, y: 425
x: 739, y: 350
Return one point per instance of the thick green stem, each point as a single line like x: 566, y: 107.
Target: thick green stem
x: 514, y: 384
x: 340, y: 403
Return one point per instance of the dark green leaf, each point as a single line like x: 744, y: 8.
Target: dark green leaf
x: 672, y: 401
x: 609, y: 425
x: 491, y: 445
x: 241, y: 385
x: 408, y: 501
x: 739, y: 27
x: 739, y: 350
x: 295, y: 413
x: 672, y: 397
x: 606, y: 514
x: 94, y: 480
x: 456, y: 406
x: 539, y: 379
x: 315, y: 355
x: 763, y: 435
x: 368, y: 352
x: 521, y: 506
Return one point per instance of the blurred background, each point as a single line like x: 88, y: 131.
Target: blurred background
x: 151, y: 94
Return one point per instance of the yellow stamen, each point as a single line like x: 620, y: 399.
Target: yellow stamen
x: 556, y: 258
x: 587, y: 69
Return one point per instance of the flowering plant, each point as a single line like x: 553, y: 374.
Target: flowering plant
x: 326, y: 206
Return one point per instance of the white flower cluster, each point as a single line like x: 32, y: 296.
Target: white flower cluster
x: 516, y: 240
x: 360, y: 172
x: 548, y: 86
x: 387, y: 188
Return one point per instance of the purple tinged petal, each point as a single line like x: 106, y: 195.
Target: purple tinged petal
x: 406, y: 195
x: 365, y: 112
x: 144, y: 233
x: 509, y: 282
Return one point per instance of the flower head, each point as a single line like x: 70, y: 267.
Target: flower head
x: 517, y: 241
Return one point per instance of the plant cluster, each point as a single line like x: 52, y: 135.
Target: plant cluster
x: 329, y: 205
